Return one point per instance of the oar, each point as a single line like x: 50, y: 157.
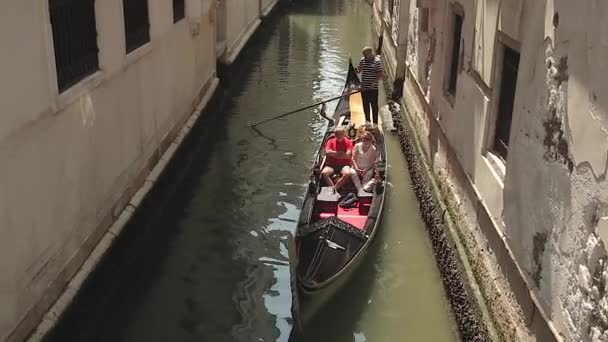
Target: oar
x: 303, y: 108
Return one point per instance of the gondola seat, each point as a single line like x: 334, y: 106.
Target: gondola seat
x: 327, y: 200
x: 364, y: 196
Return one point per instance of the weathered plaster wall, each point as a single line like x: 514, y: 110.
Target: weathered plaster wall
x: 486, y: 21
x: 556, y: 195
x: 414, y: 48
x: 549, y: 202
x: 67, y: 160
x: 386, y: 23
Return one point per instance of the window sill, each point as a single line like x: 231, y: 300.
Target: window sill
x: 497, y: 165
x: 137, y: 54
x: 68, y: 96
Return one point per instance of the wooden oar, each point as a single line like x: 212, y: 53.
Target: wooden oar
x: 303, y: 108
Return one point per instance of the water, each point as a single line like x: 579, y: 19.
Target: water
x: 207, y: 258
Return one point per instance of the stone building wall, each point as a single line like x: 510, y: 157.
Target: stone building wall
x: 530, y: 191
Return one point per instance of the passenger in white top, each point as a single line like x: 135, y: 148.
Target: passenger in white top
x: 364, y: 159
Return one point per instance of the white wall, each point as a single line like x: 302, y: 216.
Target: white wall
x: 550, y: 199
x: 556, y: 195
x: 67, y: 160
x: 241, y: 16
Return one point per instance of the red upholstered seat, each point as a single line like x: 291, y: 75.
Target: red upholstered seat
x: 352, y: 216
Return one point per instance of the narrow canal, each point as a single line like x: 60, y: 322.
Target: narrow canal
x: 207, y: 260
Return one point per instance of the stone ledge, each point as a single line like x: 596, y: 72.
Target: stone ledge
x: 266, y: 11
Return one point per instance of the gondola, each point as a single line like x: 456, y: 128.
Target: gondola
x: 330, y: 240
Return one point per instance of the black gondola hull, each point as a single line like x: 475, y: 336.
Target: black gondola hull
x: 330, y: 243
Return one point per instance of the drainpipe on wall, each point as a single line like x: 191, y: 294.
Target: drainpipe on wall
x: 194, y: 12
x: 401, y: 48
x: 219, y: 17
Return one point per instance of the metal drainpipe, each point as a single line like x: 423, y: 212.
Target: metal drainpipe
x: 401, y: 49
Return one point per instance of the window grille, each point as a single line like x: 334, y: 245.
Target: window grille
x: 137, y: 24
x: 74, y: 39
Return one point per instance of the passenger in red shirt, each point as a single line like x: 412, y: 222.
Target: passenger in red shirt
x: 338, y: 150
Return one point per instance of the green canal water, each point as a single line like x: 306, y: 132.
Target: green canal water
x: 208, y: 259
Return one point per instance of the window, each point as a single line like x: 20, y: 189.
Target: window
x: 74, y: 40
x: 179, y: 10
x: 423, y: 20
x: 457, y: 20
x: 506, y: 100
x: 137, y: 24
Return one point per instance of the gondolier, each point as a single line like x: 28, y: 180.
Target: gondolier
x: 370, y: 68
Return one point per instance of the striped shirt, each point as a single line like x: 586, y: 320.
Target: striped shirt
x: 369, y: 72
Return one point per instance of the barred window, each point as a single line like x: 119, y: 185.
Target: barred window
x: 179, y: 10
x: 137, y: 23
x: 74, y: 40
